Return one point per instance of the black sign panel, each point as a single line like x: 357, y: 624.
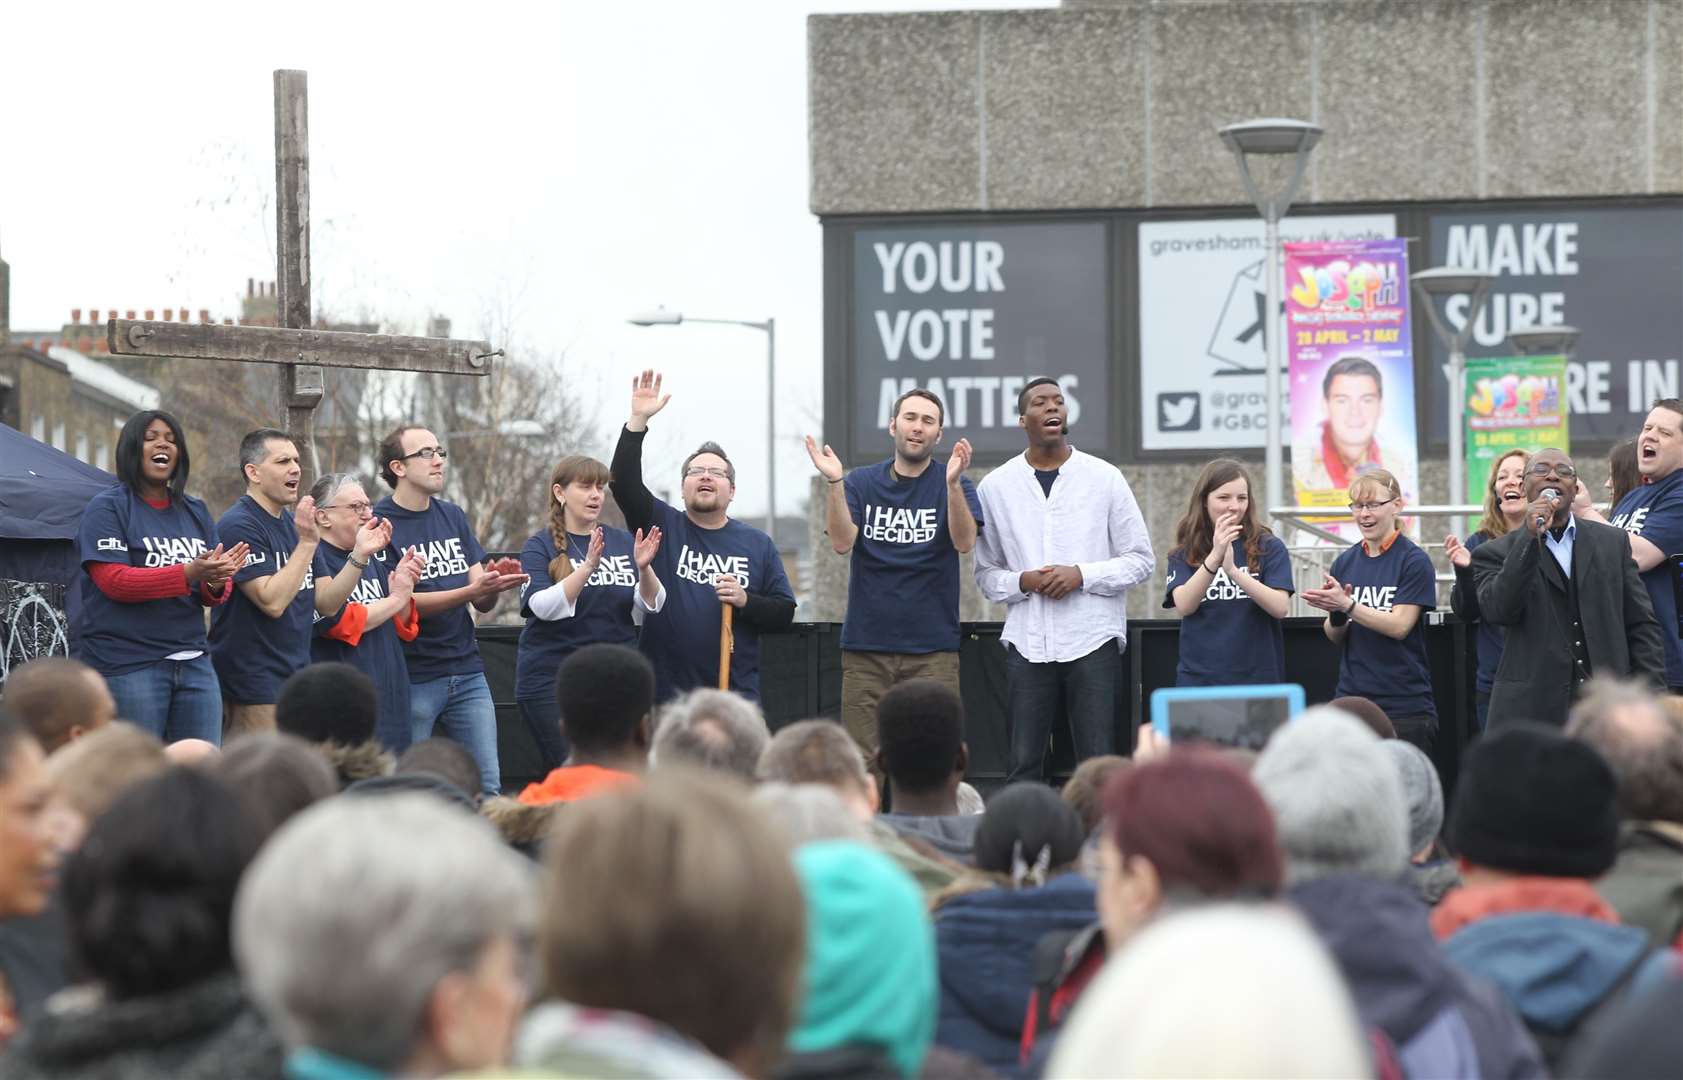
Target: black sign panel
x: 1614, y: 273
x: 973, y: 312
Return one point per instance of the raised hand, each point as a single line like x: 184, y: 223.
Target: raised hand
x: 225, y: 565
x: 1331, y: 596
x: 644, y: 549
x: 1539, y: 514
x: 1227, y: 529
x: 493, y: 582
x: 646, y: 399
x: 593, y: 554
x: 1457, y: 552
x: 374, y: 535
x: 304, y: 520
x: 958, y: 462
x: 829, y: 466
x: 198, y: 569
x: 506, y: 566
x: 407, y: 574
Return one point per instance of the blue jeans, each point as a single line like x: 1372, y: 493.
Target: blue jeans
x: 1038, y: 695
x: 462, y: 703
x: 543, y: 720
x: 173, y: 699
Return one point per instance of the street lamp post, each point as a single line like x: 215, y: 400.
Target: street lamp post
x: 1440, y: 283
x: 1272, y: 137
x: 1545, y: 340
x: 661, y: 317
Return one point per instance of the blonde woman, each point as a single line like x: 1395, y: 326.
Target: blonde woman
x: 588, y: 583
x: 1504, y: 511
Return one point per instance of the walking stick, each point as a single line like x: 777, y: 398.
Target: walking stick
x: 727, y: 645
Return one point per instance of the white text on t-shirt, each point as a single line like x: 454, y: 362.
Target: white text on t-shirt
x: 170, y: 550
x: 444, y: 558
x: 898, y: 525
x: 1377, y: 597
x: 703, y: 567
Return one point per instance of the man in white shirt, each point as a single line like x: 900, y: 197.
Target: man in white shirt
x: 1069, y: 541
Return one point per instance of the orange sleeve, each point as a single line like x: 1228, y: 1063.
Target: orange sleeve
x: 408, y: 624
x: 349, y: 627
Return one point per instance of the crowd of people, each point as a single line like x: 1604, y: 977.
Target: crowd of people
x: 292, y: 855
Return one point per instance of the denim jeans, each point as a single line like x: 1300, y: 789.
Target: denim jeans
x: 462, y: 703
x: 1083, y: 690
x: 173, y: 699
x: 543, y: 720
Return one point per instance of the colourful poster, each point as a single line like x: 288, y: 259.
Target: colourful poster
x: 1517, y: 403
x: 1351, y: 365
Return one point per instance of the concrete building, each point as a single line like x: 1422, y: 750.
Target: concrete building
x: 1539, y: 139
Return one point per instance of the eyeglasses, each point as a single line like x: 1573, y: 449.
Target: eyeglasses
x: 707, y: 470
x: 1370, y: 507
x: 1543, y: 468
x: 427, y: 453
x: 357, y: 508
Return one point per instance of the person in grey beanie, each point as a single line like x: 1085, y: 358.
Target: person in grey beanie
x: 1344, y: 820
x: 1430, y: 869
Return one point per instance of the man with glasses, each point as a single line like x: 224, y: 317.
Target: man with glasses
x: 446, y: 675
x: 262, y: 635
x: 1569, y: 598
x: 1376, y: 595
x: 1652, y: 513
x: 707, y: 559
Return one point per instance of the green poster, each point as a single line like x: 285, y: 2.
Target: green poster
x: 1512, y: 403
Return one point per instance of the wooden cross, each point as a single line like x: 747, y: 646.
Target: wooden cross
x: 300, y: 352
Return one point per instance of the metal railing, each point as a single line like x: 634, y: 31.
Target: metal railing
x: 1310, y: 561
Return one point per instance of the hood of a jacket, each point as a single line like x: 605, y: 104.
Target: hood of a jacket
x: 363, y: 761
x: 556, y: 1039
x: 1553, y: 968
x: 1381, y: 936
x: 521, y: 826
x: 986, y: 943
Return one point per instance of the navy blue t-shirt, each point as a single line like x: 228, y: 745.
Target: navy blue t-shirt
x: 682, y: 640
x: 379, y: 653
x: 1490, y: 637
x: 120, y: 527
x: 1655, y: 513
x: 902, y: 593
x: 602, y: 611
x: 253, y: 653
x: 1393, y: 674
x: 445, y: 646
x: 1230, y: 640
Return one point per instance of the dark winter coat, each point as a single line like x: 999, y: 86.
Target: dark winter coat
x: 986, y: 942
x: 207, y: 1031
x: 1443, y: 1023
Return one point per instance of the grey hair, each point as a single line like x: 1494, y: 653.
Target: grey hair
x: 714, y: 730
x: 809, y: 812
x: 815, y: 752
x: 327, y: 486
x: 1641, y: 741
x: 355, y: 910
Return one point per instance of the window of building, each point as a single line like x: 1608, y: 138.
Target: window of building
x: 38, y: 429
x: 58, y: 436
x: 81, y: 447
x: 102, y: 458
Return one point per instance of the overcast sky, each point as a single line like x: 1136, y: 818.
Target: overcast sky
x: 586, y: 159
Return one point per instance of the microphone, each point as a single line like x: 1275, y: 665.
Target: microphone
x: 1553, y: 496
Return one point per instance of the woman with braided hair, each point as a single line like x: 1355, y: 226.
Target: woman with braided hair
x: 588, y: 582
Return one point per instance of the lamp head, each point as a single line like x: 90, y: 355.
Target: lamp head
x: 1544, y: 340
x: 1271, y: 136
x: 1441, y: 281
x: 658, y: 317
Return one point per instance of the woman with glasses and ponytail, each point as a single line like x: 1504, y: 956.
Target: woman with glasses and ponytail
x: 1376, y: 595
x: 588, y: 583
x: 365, y: 603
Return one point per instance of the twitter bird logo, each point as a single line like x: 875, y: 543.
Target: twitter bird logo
x: 1178, y: 412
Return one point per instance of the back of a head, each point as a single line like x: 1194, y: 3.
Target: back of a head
x: 1422, y: 792
x: 1641, y: 739
x: 1085, y: 790
x: 714, y: 730
x: 1027, y: 826
x: 1219, y: 991
x: 815, y: 752
x: 1368, y: 712
x: 327, y: 702
x: 52, y: 695
x: 446, y: 759
x: 1338, y: 804
x: 809, y: 812
x: 1532, y: 800
x: 358, y: 907
x: 150, y: 894
x: 604, y: 693
x: 91, y: 772
x: 277, y: 774
x: 920, y: 730
x: 1201, y: 823
x: 703, y: 927
x: 871, y: 970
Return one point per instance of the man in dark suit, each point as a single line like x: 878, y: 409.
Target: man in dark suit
x: 1569, y: 598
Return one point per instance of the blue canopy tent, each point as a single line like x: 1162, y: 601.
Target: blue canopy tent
x: 42, y: 495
